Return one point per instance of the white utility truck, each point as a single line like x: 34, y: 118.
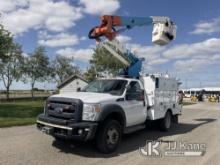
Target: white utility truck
x: 110, y: 107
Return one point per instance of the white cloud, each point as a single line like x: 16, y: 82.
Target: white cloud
x: 182, y: 57
x: 19, y: 16
x: 196, y: 56
x: 177, y: 51
x: 207, y: 27
x: 9, y: 5
x: 204, y: 49
x: 123, y: 38
x: 152, y: 54
x: 36, y: 14
x: 158, y: 61
x: 78, y: 54
x: 61, y: 39
x: 100, y: 6
x: 193, y: 65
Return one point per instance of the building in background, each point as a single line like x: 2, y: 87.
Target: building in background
x: 72, y: 84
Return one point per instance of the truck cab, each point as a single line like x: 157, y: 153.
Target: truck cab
x: 103, y: 111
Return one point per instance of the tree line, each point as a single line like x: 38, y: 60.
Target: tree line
x: 31, y: 68
x: 37, y: 67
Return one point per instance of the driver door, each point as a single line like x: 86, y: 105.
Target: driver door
x: 134, y: 107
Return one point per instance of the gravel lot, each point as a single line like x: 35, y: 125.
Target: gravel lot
x: 199, y: 124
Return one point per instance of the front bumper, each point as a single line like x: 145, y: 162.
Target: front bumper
x: 82, y: 131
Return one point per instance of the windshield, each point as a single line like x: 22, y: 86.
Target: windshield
x: 114, y: 87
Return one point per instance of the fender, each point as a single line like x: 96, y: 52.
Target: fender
x: 112, y: 108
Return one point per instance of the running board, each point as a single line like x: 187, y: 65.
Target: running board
x: 134, y: 128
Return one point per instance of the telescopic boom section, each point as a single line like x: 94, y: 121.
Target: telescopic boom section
x: 108, y: 25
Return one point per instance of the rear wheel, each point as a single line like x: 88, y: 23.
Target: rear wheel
x: 166, y: 122
x: 109, y: 136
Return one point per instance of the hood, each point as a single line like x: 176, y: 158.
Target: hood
x: 88, y: 97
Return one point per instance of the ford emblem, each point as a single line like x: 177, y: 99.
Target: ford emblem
x: 59, y: 110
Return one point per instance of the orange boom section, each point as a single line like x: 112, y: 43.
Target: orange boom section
x: 106, y: 28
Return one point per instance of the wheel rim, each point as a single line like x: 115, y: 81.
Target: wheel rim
x: 112, y: 136
x: 168, y: 121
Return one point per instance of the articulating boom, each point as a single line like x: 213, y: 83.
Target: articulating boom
x: 164, y: 31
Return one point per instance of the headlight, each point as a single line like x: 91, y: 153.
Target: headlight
x: 90, y: 111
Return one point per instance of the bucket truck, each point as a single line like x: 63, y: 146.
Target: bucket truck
x: 110, y: 107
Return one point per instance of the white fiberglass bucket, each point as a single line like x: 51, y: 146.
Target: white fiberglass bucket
x: 163, y: 33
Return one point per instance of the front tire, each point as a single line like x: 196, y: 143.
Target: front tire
x: 109, y: 136
x: 175, y: 119
x: 166, y: 122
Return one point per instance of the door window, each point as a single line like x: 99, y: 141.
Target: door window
x: 133, y: 91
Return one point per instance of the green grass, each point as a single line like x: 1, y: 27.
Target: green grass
x: 19, y: 112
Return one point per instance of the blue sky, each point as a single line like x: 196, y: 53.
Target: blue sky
x: 62, y: 27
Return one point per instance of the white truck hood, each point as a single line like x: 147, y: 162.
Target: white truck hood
x: 89, y: 97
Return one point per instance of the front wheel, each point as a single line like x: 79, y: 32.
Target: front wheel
x: 166, y: 122
x: 109, y: 136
